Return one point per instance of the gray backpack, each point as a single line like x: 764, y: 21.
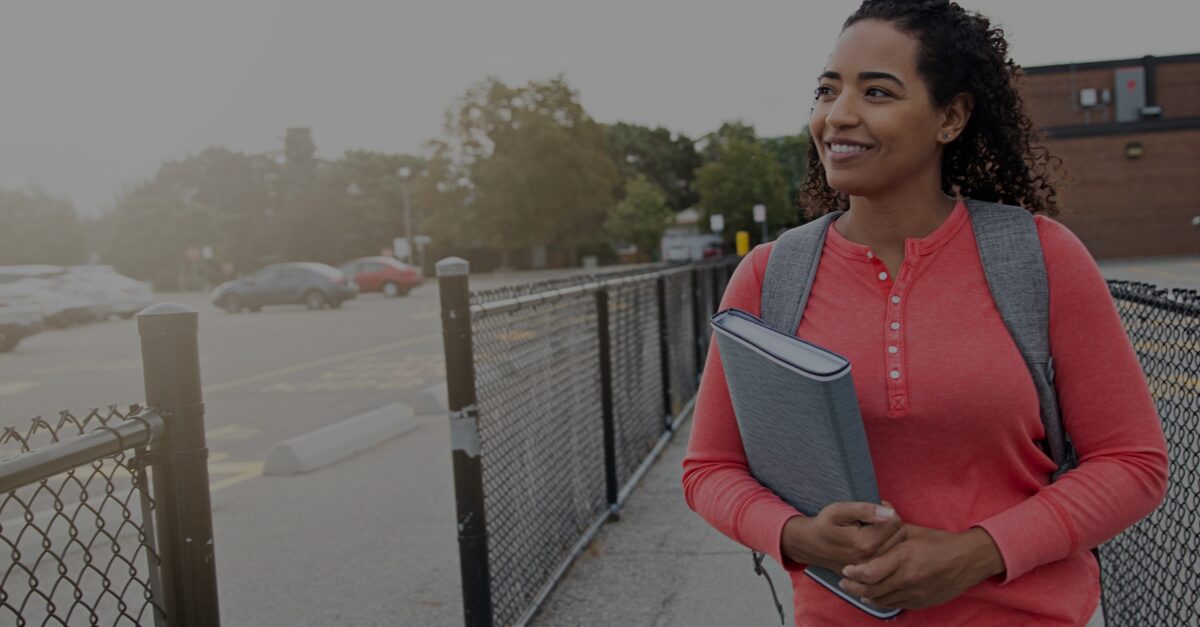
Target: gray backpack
x: 1011, y: 254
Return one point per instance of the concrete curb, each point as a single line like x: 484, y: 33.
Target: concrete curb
x: 432, y: 400
x: 340, y: 440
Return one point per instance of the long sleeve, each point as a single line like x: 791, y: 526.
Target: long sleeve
x: 1108, y: 413
x: 716, y: 479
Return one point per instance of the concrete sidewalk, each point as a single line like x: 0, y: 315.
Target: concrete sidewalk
x: 663, y: 566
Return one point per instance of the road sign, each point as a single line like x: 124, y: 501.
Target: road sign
x: 760, y: 213
x: 716, y: 222
x: 401, y: 248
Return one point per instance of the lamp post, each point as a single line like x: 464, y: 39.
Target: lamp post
x: 403, y: 173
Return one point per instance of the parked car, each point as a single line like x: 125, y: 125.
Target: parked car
x: 20, y: 315
x: 115, y: 294
x: 313, y: 284
x: 383, y: 274
x: 61, y: 303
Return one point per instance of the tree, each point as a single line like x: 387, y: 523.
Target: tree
x: 744, y: 175
x: 670, y: 162
x: 230, y: 198
x: 716, y: 142
x: 148, y: 236
x: 791, y: 152
x: 641, y: 217
x: 536, y: 163
x: 370, y: 201
x: 37, y: 228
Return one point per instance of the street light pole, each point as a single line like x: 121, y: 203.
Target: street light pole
x: 408, y: 236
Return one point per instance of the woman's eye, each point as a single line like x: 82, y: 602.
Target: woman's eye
x: 875, y: 91
x: 823, y: 90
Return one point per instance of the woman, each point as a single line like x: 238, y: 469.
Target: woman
x: 916, y: 110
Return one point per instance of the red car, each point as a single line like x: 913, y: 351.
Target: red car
x: 383, y: 274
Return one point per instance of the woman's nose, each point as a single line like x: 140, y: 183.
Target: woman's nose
x: 842, y: 112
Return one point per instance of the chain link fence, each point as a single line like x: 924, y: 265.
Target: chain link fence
x: 105, y: 519
x: 561, y: 395
x: 541, y: 429
x: 637, y: 384
x: 580, y: 382
x: 681, y: 334
x: 82, y: 542
x: 1151, y: 572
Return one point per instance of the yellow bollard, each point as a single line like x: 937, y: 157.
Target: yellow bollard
x: 743, y: 243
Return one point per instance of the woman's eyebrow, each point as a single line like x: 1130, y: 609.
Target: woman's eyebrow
x: 864, y: 76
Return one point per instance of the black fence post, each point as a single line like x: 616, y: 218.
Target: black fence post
x: 716, y: 270
x: 664, y: 352
x: 464, y: 441
x: 606, y: 404
x: 179, y: 464
x: 698, y: 325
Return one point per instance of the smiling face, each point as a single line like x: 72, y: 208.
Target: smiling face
x: 875, y: 125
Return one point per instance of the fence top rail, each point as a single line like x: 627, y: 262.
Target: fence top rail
x: 1185, y: 301
x: 106, y: 440
x: 512, y: 304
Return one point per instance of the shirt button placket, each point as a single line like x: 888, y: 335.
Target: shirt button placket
x: 896, y: 380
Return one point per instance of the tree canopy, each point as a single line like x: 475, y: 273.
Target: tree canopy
x: 536, y: 163
x: 666, y: 160
x: 745, y: 175
x: 37, y: 228
x: 641, y: 217
x: 516, y: 167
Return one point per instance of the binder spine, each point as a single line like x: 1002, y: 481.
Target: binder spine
x: 860, y: 470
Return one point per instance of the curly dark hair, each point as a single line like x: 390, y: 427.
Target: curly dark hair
x: 997, y: 157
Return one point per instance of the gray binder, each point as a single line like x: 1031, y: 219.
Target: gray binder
x: 798, y: 416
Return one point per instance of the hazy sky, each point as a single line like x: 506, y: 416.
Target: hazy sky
x: 97, y: 94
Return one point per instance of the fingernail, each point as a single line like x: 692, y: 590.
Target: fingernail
x: 846, y: 571
x: 866, y: 600
x: 842, y: 584
x: 884, y: 513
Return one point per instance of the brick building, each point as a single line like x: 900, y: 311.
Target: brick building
x: 1128, y: 132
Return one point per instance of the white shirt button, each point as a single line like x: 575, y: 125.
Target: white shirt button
x: 893, y: 350
x: 895, y: 300
x: 895, y: 374
x: 882, y: 276
x: 895, y: 326
x: 870, y: 255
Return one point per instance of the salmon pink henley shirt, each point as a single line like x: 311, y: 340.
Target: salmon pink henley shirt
x: 951, y: 416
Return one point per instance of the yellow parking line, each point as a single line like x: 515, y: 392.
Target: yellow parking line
x: 16, y: 387
x: 240, y: 471
x: 317, y: 362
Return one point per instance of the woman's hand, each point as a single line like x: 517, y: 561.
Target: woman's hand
x: 929, y: 567
x: 843, y: 533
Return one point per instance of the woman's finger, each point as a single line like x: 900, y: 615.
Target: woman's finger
x: 891, y: 542
x: 874, y: 572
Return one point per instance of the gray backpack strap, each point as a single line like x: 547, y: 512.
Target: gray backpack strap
x: 786, y: 283
x: 1011, y: 254
x: 790, y: 272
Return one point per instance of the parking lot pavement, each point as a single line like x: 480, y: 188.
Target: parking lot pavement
x: 1183, y: 272
x: 369, y: 540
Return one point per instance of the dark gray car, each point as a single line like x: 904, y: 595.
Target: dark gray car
x: 315, y: 285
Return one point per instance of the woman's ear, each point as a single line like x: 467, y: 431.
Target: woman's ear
x: 955, y: 117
